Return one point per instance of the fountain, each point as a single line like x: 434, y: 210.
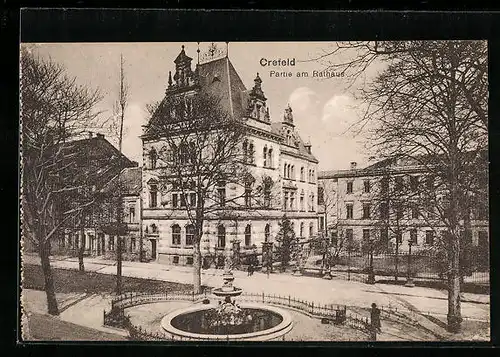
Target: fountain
x: 228, y: 320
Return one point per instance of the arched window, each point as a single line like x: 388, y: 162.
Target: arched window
x: 302, y: 204
x: 267, y: 233
x: 221, y: 236
x: 311, y: 231
x: 265, y: 156
x: 189, y: 234
x: 248, y: 235
x: 251, y: 153
x: 153, y: 156
x: 284, y: 170
x: 245, y: 151
x: 302, y: 174
x: 153, y: 195
x: 292, y: 172
x: 176, y: 234
x: 301, y: 229
x: 270, y: 158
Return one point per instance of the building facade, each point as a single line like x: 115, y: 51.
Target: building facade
x: 275, y: 152
x: 385, y: 202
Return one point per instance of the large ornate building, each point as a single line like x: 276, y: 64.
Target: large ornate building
x: 276, y: 151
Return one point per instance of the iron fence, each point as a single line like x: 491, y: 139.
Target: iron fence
x: 117, y: 317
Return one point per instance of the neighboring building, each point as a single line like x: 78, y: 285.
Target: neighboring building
x: 384, y: 202
x: 95, y: 162
x: 276, y: 151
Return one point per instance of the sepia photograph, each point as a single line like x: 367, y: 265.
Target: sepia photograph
x: 255, y: 191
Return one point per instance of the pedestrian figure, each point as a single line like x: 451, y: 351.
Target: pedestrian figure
x: 375, y: 318
x: 249, y: 269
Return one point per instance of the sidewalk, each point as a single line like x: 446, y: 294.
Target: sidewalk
x: 418, y: 300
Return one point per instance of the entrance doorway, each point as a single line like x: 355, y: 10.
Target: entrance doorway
x: 153, y: 249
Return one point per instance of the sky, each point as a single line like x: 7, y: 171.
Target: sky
x: 323, y: 109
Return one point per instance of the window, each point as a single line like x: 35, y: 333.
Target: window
x: 285, y: 166
x: 192, y: 199
x: 301, y: 174
x: 221, y: 236
x: 366, y: 235
x: 248, y: 235
x: 384, y: 236
x: 189, y: 261
x: 267, y: 193
x: 292, y: 201
x: 349, y: 187
x: 429, y: 237
x: 302, y: 205
x: 285, y: 201
x: 384, y: 185
x: 152, y: 158
x: 221, y: 193
x: 288, y: 170
x: 245, y: 151
x: 270, y: 158
x: 251, y: 153
x: 413, y: 237
x: 176, y: 235
x: 176, y: 259
x: 482, y: 240
x: 349, y: 235
x: 366, y: 210
x: 154, y: 229
x: 292, y: 172
x: 183, y: 200
x: 131, y: 215
x: 366, y: 186
x: 301, y: 229
x: 189, y: 234
x: 399, y: 237
x: 414, y: 181
x: 111, y: 243
x: 267, y: 233
x: 132, y: 244
x: 265, y: 156
x: 248, y: 194
x: 311, y: 230
x: 312, y: 202
x: 153, y: 196
x: 399, y: 184
x: 175, y: 201
x: 349, y: 211
x: 384, y: 210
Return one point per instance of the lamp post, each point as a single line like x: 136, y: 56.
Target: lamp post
x: 409, y: 279
x: 371, y: 274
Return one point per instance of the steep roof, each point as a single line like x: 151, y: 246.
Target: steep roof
x: 220, y: 78
x: 300, y: 150
x: 131, y: 179
x: 93, y: 160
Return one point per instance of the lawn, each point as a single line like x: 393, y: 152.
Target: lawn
x: 71, y: 281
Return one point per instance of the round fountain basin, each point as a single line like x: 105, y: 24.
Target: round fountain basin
x: 268, y: 323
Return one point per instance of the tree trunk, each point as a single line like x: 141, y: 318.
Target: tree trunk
x: 81, y: 251
x: 454, y: 311
x: 118, y: 265
x: 197, y: 268
x: 44, y: 252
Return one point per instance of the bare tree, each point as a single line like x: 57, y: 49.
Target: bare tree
x: 429, y: 104
x: 54, y: 109
x: 202, y: 166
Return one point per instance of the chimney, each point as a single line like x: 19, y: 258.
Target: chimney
x: 354, y: 164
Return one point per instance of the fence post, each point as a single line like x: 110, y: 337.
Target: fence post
x: 262, y: 296
x: 288, y: 300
